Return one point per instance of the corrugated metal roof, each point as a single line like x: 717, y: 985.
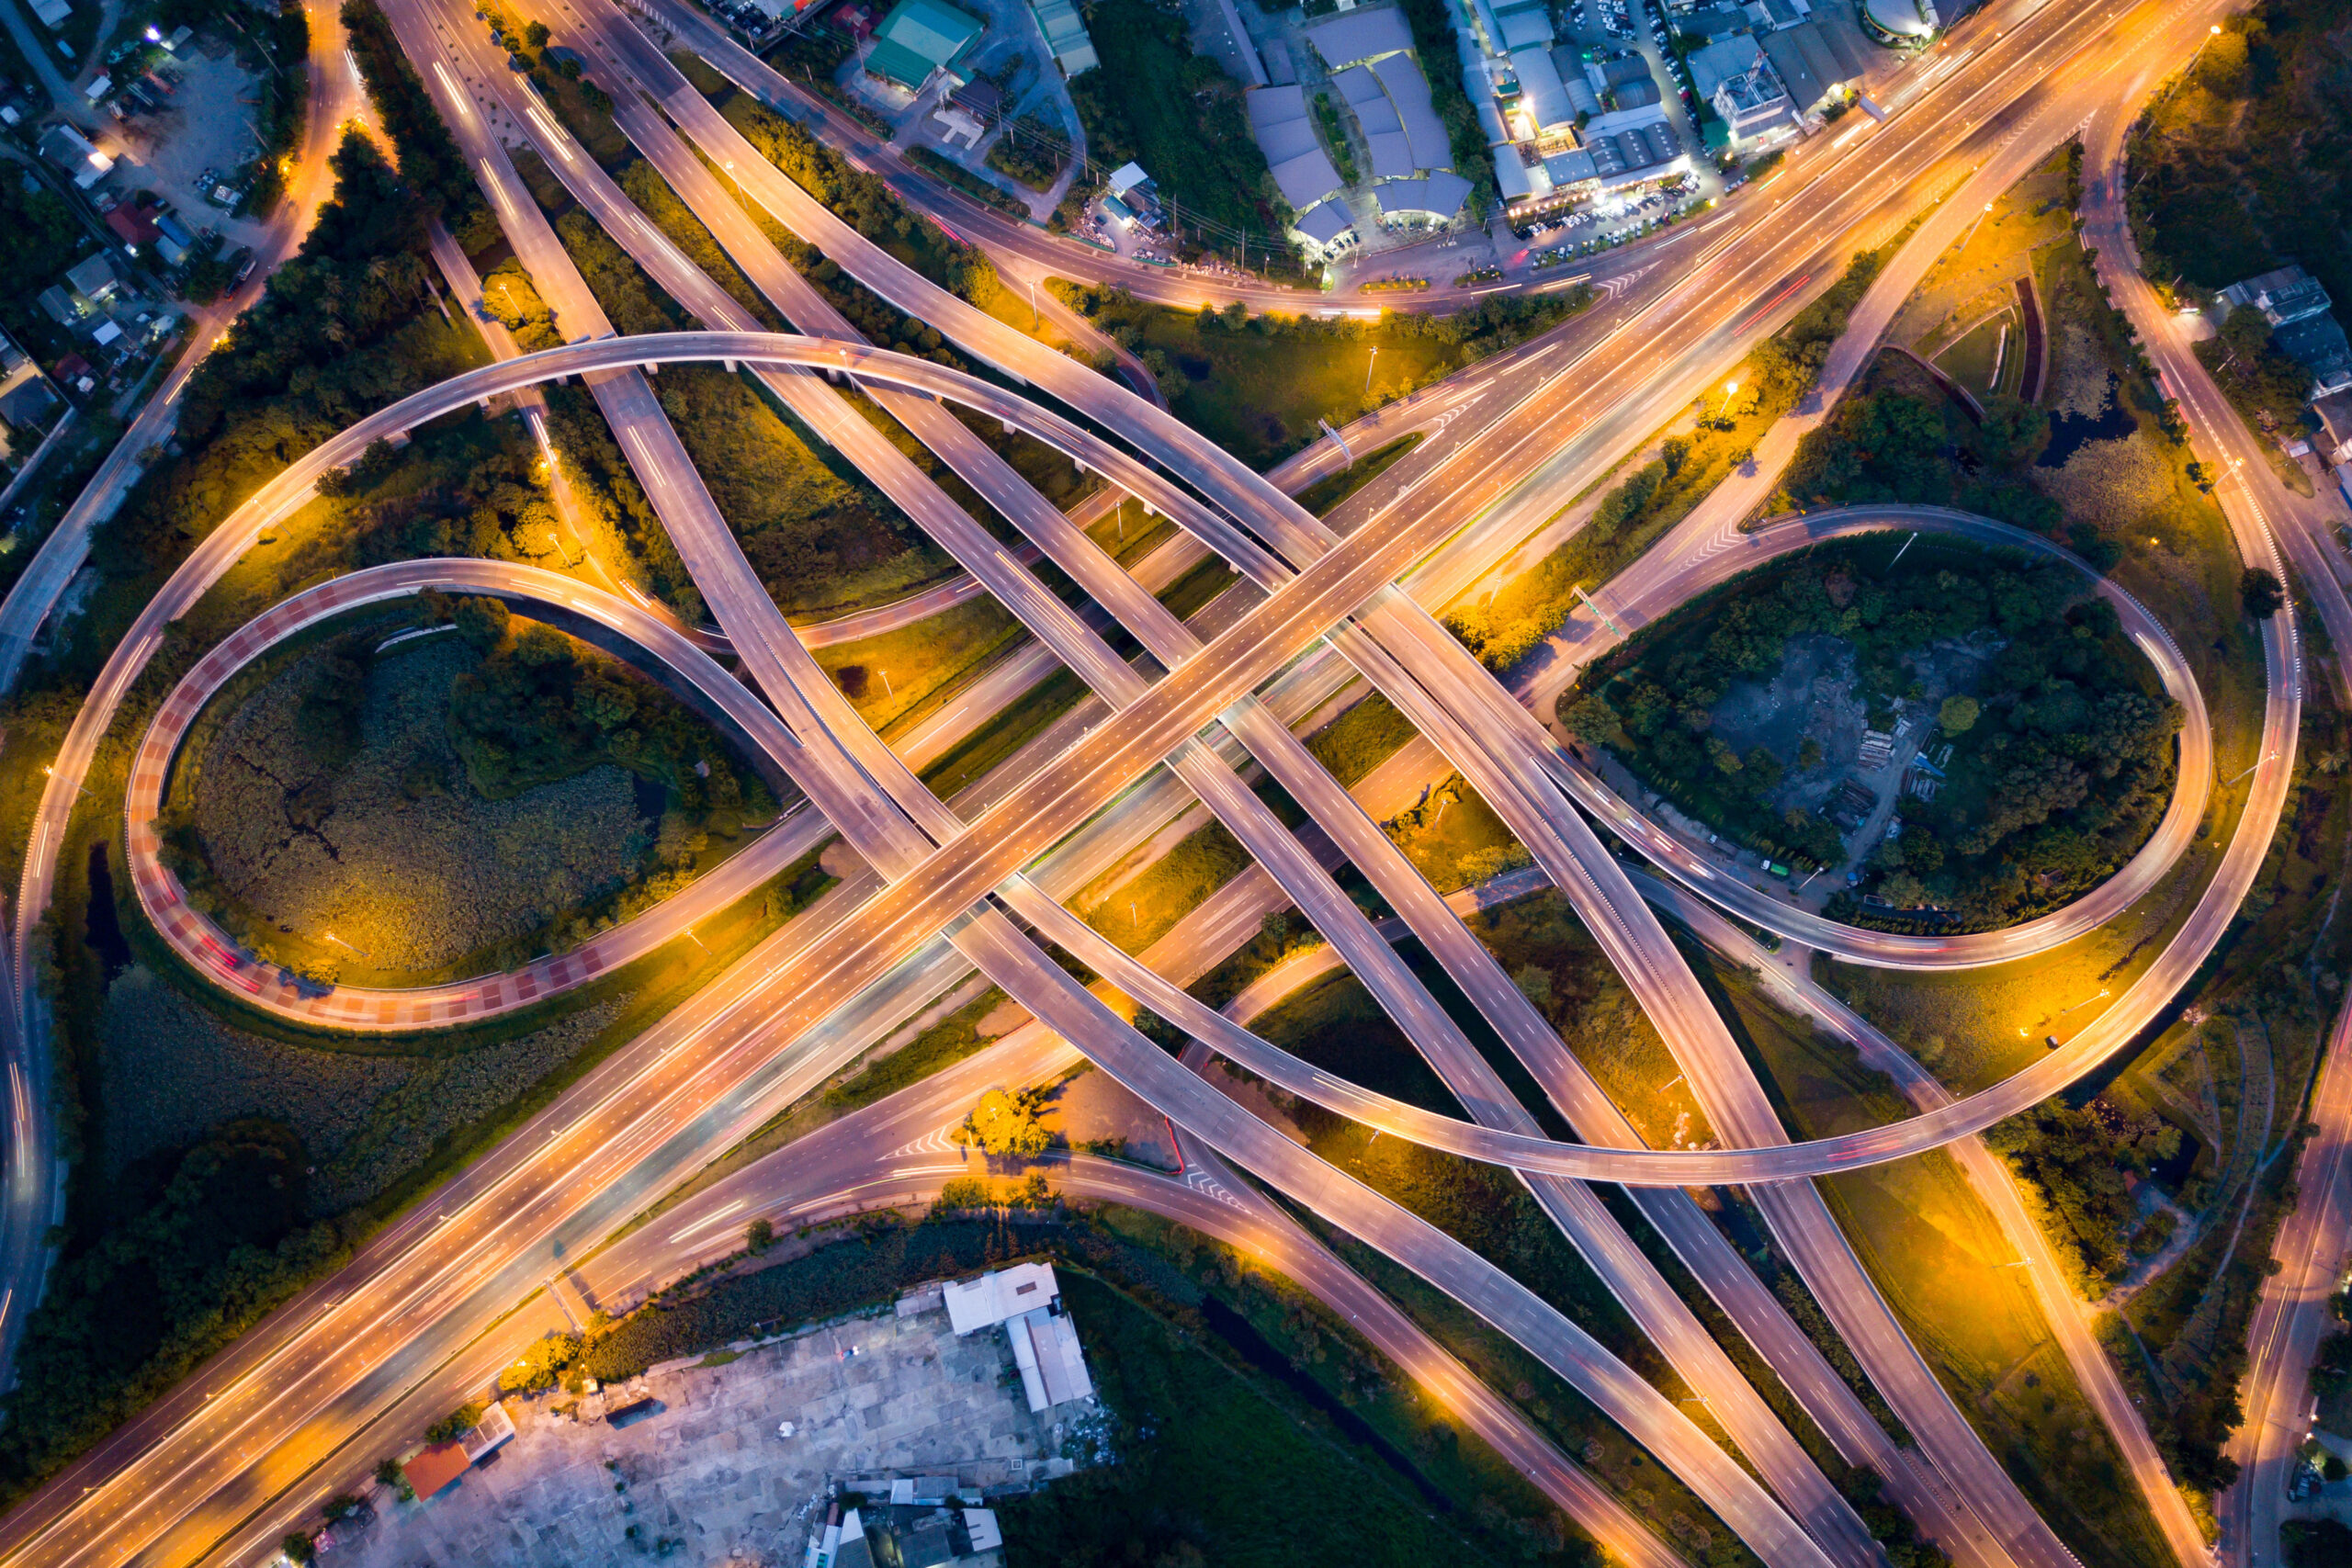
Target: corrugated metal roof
x: 895, y: 62
x: 1360, y: 35
x: 932, y: 29
x: 1326, y: 222
x: 1392, y: 154
x: 436, y: 1468
x: 1410, y: 90
x: 1287, y: 139
x: 1527, y: 28
x: 1305, y: 179
x: 1541, y: 90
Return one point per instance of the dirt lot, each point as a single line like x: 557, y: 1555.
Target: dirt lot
x: 1817, y: 696
x: 706, y: 1479
x: 207, y: 124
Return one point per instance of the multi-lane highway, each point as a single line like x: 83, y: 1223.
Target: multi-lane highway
x: 32, y: 1174
x: 2309, y: 1248
x: 875, y: 951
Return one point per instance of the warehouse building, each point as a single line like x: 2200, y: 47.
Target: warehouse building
x: 1026, y: 1300
x: 917, y: 40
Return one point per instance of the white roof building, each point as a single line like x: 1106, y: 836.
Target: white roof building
x: 1046, y: 1349
x: 1044, y: 1341
x: 975, y: 1305
x: 1543, y: 95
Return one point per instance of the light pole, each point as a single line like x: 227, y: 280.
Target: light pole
x: 2084, y: 1003
x: 2212, y: 33
x: 2257, y: 762
x: 1973, y: 227
x: 1367, y: 370
x: 1731, y: 389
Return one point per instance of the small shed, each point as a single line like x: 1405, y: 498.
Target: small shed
x: 437, y: 1468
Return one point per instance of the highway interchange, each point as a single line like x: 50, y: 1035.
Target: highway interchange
x: 257, y: 1436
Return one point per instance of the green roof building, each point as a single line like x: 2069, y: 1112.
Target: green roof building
x: 918, y: 39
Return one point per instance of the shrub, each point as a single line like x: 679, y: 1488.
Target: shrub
x: 2260, y: 593
x: 456, y: 1424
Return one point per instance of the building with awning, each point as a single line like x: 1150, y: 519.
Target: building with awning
x: 1323, y: 230
x: 1437, y: 198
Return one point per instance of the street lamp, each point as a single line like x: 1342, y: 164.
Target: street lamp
x: 2235, y: 778
x: 1367, y: 370
x: 1973, y: 227
x: 1730, y: 387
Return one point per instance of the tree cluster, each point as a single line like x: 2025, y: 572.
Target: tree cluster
x: 2080, y: 1160
x: 333, y: 338
x: 542, y: 706
x: 867, y: 204
x: 430, y: 163
x: 1893, y: 446
x: 1178, y: 113
x: 2057, y: 775
x: 190, y: 1262
x: 1906, y: 1548
x: 2248, y: 165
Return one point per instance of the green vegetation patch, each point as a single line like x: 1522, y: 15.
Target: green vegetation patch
x: 1194, y: 1351
x: 435, y: 175
x: 815, y: 538
x: 965, y: 1032
x: 449, y: 804
x: 652, y: 195
x: 1939, y: 1258
x: 1178, y: 113
x: 1009, y: 730
x: 365, y: 1117
x: 1199, y: 1430
x: 1453, y: 838
x: 342, y: 329
x: 1323, y: 497
x: 510, y: 296
x: 220, y: 1240
x: 1135, y: 911
x: 2241, y: 167
x: 1032, y: 150
x: 899, y: 677
x: 1508, y: 626
x: 2060, y: 740
x: 1256, y: 385
x: 1558, y: 967
x: 1360, y: 739
x: 865, y: 201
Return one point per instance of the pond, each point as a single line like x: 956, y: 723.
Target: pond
x: 101, y: 928
x: 2069, y: 432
